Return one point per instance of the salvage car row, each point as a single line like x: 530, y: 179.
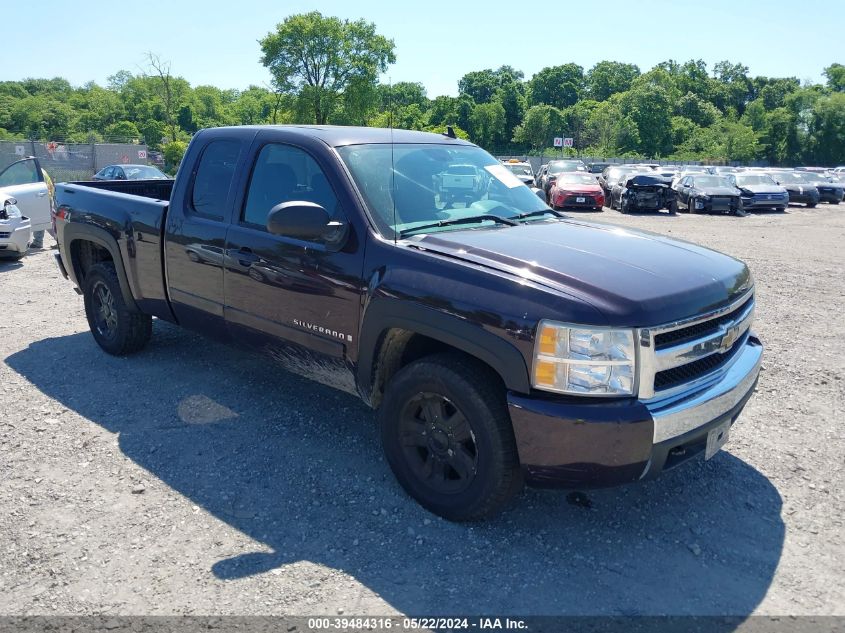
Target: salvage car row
x: 570, y: 184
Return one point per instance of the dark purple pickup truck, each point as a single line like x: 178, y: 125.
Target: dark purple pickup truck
x: 501, y: 341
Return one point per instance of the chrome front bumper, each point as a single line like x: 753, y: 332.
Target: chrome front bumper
x: 677, y: 416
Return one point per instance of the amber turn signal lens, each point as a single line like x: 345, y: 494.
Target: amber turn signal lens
x: 548, y: 341
x: 544, y: 372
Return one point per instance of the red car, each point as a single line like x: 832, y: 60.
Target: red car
x: 576, y: 190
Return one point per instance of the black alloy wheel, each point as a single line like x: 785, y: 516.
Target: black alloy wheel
x: 438, y: 443
x: 105, y: 311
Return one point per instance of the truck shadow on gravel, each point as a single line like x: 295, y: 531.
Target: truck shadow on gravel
x: 297, y: 466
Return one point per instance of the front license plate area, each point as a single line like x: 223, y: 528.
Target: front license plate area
x: 716, y: 439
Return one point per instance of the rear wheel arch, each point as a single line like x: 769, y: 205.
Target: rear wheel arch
x: 88, y: 246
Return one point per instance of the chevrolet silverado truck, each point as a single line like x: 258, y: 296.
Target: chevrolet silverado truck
x: 501, y: 341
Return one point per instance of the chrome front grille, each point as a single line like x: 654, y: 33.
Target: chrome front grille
x: 679, y: 356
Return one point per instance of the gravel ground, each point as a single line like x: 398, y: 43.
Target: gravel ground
x: 195, y: 478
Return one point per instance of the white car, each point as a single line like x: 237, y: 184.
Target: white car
x: 15, y: 229
x: 22, y: 182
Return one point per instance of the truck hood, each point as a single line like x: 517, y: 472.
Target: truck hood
x: 633, y: 278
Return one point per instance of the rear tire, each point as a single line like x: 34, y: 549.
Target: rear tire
x: 118, y: 330
x: 447, y: 436
x: 811, y: 205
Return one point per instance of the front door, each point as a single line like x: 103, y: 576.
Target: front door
x: 24, y: 181
x: 296, y: 299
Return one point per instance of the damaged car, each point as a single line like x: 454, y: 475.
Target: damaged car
x: 800, y: 191
x: 15, y: 229
x: 829, y: 190
x: 641, y: 192
x: 703, y: 193
x: 759, y: 191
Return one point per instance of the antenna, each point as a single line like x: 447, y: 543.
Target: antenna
x: 392, y: 156
x: 450, y: 132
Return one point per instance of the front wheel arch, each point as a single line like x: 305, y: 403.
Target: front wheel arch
x: 394, y: 334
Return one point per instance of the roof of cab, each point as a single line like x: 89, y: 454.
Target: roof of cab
x: 339, y: 135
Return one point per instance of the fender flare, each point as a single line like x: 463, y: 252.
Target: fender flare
x: 99, y: 236
x: 382, y: 315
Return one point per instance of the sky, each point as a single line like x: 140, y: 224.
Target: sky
x: 437, y: 42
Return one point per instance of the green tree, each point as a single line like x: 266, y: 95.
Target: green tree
x: 488, y: 123
x: 122, y: 131
x: 535, y: 131
x: 558, y: 86
x: 170, y: 90
x: 702, y: 113
x: 835, y: 74
x: 513, y: 101
x: 324, y: 54
x: 403, y: 93
x: 480, y: 85
x: 173, y: 153
x: 650, y: 108
x: 733, y: 88
x: 827, y: 130
x: 611, y: 132
x: 609, y: 78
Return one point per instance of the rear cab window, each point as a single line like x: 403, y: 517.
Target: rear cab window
x: 213, y: 178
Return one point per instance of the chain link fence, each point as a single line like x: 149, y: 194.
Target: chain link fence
x: 73, y: 161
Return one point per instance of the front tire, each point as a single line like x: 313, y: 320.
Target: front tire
x: 118, y: 330
x: 812, y: 205
x: 447, y: 436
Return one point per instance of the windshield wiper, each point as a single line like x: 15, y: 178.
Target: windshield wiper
x: 468, y: 220
x: 531, y: 214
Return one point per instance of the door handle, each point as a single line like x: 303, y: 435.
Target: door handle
x: 41, y: 194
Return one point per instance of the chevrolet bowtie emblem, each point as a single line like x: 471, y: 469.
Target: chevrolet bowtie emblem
x: 729, y: 338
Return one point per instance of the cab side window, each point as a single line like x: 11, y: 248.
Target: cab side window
x: 23, y: 172
x: 283, y: 173
x: 214, y: 177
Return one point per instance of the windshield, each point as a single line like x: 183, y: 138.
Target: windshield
x: 711, y: 181
x: 788, y: 177
x: 143, y: 172
x: 747, y: 181
x: 559, y: 166
x: 576, y: 178
x: 520, y: 170
x: 430, y: 183
x: 811, y: 177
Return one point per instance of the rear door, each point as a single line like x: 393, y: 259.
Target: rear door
x: 25, y: 181
x: 301, y: 300
x: 196, y: 236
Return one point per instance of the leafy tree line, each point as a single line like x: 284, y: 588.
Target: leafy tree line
x: 325, y: 70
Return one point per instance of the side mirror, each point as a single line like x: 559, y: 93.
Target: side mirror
x: 9, y: 201
x: 303, y: 220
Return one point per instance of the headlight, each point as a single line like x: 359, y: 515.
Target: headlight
x: 11, y: 211
x: 584, y: 361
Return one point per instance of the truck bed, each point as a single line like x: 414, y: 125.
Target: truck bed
x: 133, y: 213
x: 155, y: 189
